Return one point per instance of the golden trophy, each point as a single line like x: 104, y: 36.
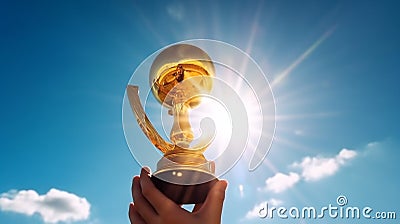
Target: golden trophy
x: 178, y: 77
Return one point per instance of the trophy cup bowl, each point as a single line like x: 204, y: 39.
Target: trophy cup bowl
x: 178, y: 77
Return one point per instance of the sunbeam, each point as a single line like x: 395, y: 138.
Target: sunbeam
x: 301, y: 58
x: 250, y: 42
x: 150, y: 27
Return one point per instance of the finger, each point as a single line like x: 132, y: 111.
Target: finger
x: 214, y: 201
x: 142, y: 206
x: 133, y: 181
x: 134, y: 216
x: 158, y: 200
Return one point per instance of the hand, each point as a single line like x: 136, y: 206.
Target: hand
x: 152, y: 207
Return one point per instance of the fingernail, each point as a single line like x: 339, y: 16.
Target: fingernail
x: 224, y: 184
x: 147, y: 169
x: 131, y: 207
x: 135, y: 179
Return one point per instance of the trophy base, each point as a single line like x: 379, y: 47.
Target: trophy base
x: 184, y: 193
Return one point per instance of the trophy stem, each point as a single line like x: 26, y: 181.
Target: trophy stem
x: 181, y: 132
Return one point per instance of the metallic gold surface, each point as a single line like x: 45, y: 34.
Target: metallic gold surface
x: 178, y: 77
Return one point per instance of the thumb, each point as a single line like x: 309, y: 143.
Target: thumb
x: 214, y: 201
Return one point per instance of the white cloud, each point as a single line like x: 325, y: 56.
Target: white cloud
x: 311, y: 169
x: 315, y: 168
x: 54, y: 206
x: 255, y: 212
x: 374, y: 147
x: 274, y: 202
x: 176, y: 11
x: 280, y: 182
x: 372, y: 144
x: 345, y: 154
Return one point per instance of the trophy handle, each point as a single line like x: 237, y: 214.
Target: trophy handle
x: 144, y: 122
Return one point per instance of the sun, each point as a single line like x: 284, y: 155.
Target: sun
x: 211, y: 123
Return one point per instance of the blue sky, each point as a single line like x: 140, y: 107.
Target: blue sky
x: 65, y: 66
